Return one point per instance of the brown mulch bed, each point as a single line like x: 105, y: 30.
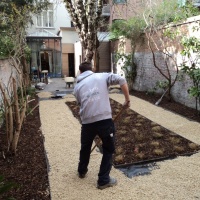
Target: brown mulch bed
x: 28, y: 169
x: 140, y: 140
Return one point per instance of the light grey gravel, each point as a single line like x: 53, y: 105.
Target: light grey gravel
x: 177, y: 179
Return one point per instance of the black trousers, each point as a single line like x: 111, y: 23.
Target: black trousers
x: 105, y: 130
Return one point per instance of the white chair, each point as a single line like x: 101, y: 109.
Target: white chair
x: 44, y: 76
x: 69, y: 81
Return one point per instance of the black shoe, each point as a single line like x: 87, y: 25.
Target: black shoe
x: 111, y: 183
x: 81, y: 175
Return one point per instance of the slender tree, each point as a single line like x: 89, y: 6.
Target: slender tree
x: 86, y: 17
x: 15, y: 16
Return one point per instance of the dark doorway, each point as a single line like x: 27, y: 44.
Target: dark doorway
x: 71, y: 64
x: 44, y: 61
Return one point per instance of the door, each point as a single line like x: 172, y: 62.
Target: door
x: 44, y: 58
x: 71, y: 64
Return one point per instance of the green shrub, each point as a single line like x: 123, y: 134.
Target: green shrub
x: 5, y: 186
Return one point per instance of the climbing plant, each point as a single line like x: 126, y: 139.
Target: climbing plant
x: 191, y: 65
x: 129, y: 66
x: 132, y: 30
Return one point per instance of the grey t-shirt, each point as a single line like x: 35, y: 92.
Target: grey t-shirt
x: 91, y: 92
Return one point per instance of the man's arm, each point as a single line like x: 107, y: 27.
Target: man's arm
x: 76, y: 96
x: 125, y: 91
x: 117, y: 79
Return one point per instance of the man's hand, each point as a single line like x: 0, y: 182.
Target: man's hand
x: 125, y: 91
x: 126, y: 104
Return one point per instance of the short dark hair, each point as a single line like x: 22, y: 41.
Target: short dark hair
x: 85, y: 66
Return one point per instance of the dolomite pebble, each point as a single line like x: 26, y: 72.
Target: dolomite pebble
x: 172, y: 179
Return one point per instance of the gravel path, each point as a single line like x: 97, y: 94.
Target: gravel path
x: 175, y: 179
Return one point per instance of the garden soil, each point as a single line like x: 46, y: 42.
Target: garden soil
x: 171, y: 179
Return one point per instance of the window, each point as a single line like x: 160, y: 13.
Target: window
x: 45, y: 19
x: 119, y: 1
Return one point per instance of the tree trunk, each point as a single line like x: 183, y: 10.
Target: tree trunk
x: 26, y: 78
x: 86, y: 16
x: 19, y: 117
x: 8, y: 116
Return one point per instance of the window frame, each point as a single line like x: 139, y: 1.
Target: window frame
x: 41, y: 22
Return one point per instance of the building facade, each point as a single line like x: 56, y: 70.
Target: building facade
x: 52, y: 49
x: 55, y: 45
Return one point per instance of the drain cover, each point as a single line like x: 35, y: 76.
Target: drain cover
x: 59, y: 94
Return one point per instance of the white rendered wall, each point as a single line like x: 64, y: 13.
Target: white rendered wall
x: 78, y: 57
x: 69, y: 37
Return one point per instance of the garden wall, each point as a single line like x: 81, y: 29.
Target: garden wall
x: 6, y: 70
x: 148, y: 75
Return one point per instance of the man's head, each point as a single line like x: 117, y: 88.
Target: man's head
x: 85, y: 66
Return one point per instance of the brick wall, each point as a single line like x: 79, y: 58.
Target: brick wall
x: 104, y: 57
x: 148, y: 75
